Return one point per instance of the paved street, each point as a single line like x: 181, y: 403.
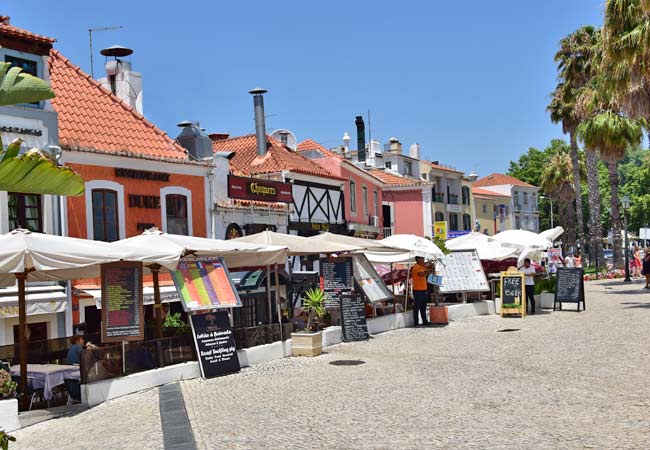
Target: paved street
x: 564, y: 380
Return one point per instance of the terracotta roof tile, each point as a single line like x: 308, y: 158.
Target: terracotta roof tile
x: 497, y: 179
x: 391, y: 179
x: 278, y: 158
x: 91, y: 117
x: 310, y: 144
x: 480, y: 191
x: 445, y: 168
x: 9, y: 30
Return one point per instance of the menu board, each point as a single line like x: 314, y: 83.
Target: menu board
x: 204, y: 283
x: 462, y: 272
x: 122, y: 317
x: 569, y: 287
x: 353, y: 318
x: 335, y: 277
x: 215, y: 343
x: 369, y: 280
x: 512, y: 288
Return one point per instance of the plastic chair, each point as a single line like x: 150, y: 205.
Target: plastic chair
x: 74, y: 390
x: 35, y: 394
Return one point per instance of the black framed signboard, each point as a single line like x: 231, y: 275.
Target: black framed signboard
x: 122, y: 315
x: 569, y: 287
x: 513, y: 293
x: 335, y: 277
x: 215, y: 343
x: 353, y: 317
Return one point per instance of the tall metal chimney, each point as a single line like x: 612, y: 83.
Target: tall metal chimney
x: 260, y: 125
x: 361, y: 139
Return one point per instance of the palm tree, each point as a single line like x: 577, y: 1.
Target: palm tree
x: 575, y: 66
x: 17, y: 87
x: 612, y: 133
x: 557, y: 183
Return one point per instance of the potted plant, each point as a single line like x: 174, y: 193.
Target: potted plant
x: 512, y: 308
x: 174, y: 325
x: 438, y: 314
x: 545, y: 292
x: 8, y: 407
x: 306, y: 342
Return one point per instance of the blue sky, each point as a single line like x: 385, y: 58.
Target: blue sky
x: 469, y: 81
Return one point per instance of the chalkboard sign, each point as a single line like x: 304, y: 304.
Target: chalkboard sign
x: 513, y: 291
x: 335, y: 277
x: 353, y: 318
x: 569, y: 287
x: 215, y: 344
x: 122, y: 317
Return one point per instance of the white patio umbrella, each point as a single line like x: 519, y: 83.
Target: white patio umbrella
x: 410, y: 246
x: 486, y: 247
x: 522, y: 238
x: 297, y: 245
x: 365, y: 244
x: 27, y: 256
x: 552, y: 233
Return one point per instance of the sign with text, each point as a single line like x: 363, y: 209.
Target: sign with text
x: 122, y: 317
x: 204, y: 283
x: 353, y: 318
x: 369, y: 280
x: 512, y: 290
x: 215, y: 344
x: 569, y: 287
x: 440, y: 229
x: 335, y: 277
x: 260, y: 190
x: 462, y: 271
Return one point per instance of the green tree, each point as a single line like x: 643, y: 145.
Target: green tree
x: 557, y: 183
x: 574, y: 70
x: 17, y: 87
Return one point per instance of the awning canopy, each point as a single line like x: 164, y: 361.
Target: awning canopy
x: 39, y: 300
x: 410, y: 246
x: 235, y: 254
x: 487, y: 248
x: 296, y: 245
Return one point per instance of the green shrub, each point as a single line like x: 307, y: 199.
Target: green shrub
x: 7, y: 386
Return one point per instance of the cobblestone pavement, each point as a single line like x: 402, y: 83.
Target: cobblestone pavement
x: 565, y: 380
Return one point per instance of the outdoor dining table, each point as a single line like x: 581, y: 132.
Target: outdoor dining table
x: 47, y: 376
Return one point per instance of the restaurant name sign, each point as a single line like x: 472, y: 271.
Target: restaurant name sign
x: 260, y: 190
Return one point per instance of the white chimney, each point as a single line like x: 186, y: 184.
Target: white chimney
x: 346, y: 142
x: 120, y: 79
x: 414, y: 151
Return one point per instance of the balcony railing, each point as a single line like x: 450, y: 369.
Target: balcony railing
x: 453, y: 199
x: 387, y: 231
x: 438, y: 198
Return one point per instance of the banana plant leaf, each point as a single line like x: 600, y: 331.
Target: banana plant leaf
x: 17, y: 87
x: 35, y: 173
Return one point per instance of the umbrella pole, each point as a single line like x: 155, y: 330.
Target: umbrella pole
x: 277, y: 300
x: 268, y: 293
x: 157, y: 307
x: 22, y: 340
x: 392, y: 278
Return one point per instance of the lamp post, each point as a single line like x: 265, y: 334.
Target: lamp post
x: 625, y: 202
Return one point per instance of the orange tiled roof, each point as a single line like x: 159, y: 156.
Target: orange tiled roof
x: 310, y: 144
x: 92, y: 118
x: 278, y: 158
x: 394, y: 180
x: 496, y: 179
x: 445, y: 168
x: 480, y: 191
x: 9, y: 30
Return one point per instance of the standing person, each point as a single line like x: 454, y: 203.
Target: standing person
x: 74, y: 352
x: 636, y: 257
x: 529, y: 272
x: 419, y: 273
x: 577, y: 260
x: 646, y: 267
x: 568, y: 261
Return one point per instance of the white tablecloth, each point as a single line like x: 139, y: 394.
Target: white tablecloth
x: 47, y: 376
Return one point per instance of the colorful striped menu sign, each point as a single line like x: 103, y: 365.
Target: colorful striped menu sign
x: 204, y: 283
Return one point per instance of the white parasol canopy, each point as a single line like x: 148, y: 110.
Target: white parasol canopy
x: 486, y: 247
x: 521, y: 239
x: 48, y: 257
x: 235, y: 254
x: 411, y: 246
x: 297, y: 245
x: 552, y: 233
x: 366, y: 244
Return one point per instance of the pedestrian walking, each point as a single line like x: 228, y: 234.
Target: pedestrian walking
x: 636, y: 261
x: 577, y: 260
x: 419, y: 273
x: 646, y: 267
x: 529, y: 272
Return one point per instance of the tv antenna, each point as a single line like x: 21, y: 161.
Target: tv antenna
x: 90, y: 42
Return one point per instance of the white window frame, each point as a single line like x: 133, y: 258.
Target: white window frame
x: 364, y: 199
x: 104, y: 184
x: 353, y: 196
x: 175, y: 190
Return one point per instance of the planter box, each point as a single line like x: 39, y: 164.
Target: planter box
x: 9, y: 415
x: 307, y: 344
x: 512, y: 311
x: 438, y: 314
x: 544, y: 300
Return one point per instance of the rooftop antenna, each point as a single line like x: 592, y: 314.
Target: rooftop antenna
x: 90, y: 42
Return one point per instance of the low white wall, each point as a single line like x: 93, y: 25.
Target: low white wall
x: 457, y: 312
x: 390, y: 322
x: 9, y: 415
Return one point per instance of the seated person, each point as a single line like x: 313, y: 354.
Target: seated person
x: 74, y: 352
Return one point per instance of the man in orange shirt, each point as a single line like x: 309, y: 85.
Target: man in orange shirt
x: 419, y: 273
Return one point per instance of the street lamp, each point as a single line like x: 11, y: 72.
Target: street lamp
x: 625, y: 202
